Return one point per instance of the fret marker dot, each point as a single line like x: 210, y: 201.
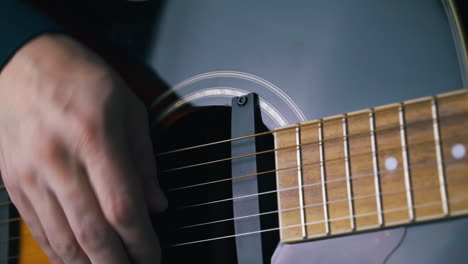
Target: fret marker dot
x: 458, y: 151
x: 391, y: 163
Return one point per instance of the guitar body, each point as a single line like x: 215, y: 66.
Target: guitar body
x: 311, y: 59
x: 305, y: 60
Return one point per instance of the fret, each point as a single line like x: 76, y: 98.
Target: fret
x: 440, y: 165
x: 422, y: 159
x: 299, y: 181
x: 335, y: 171
x: 323, y: 177
x: 392, y: 165
x: 390, y: 155
x: 287, y: 181
x: 375, y: 166
x: 348, y: 171
x: 312, y: 181
x: 453, y: 113
x: 404, y: 155
x: 361, y: 169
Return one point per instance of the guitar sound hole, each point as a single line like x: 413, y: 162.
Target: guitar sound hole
x: 204, y: 126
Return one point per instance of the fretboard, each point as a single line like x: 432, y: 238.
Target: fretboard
x: 375, y: 168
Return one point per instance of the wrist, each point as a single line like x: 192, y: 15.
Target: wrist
x: 58, y: 53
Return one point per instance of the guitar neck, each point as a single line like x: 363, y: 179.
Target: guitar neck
x: 380, y: 167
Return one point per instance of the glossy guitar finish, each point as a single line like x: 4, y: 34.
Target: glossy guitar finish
x: 306, y: 60
x: 373, y: 247
x: 329, y: 58
x: 429, y: 243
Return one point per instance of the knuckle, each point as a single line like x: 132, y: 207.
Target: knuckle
x: 87, y: 129
x: 103, y: 79
x: 102, y: 76
x: 92, y: 237
x: 43, y: 242
x: 67, y: 248
x: 41, y: 239
x: 27, y: 179
x: 54, y: 259
x: 120, y: 212
x: 45, y: 147
x: 87, y: 126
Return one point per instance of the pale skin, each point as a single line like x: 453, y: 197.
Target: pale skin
x: 76, y: 156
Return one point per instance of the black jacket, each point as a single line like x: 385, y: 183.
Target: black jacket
x: 22, y: 20
x: 19, y: 23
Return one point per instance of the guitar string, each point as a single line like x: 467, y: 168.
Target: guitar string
x: 419, y: 187
x: 284, y: 148
x: 282, y: 169
x: 298, y: 125
x: 319, y: 222
x: 418, y: 144
x: 260, y: 231
x: 355, y: 135
x: 358, y: 176
x: 288, y: 168
x: 279, y: 149
x: 382, y: 173
x: 218, y: 143
x: 270, y: 212
x: 266, y: 230
x: 436, y: 203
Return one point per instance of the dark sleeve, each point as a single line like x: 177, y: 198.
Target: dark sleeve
x: 19, y: 23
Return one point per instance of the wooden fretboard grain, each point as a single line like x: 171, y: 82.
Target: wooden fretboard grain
x: 392, y: 165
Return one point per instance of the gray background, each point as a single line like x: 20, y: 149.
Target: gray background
x: 330, y: 56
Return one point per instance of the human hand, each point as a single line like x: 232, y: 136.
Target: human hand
x: 76, y: 156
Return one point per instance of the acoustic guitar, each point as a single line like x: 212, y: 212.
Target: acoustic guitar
x: 289, y: 175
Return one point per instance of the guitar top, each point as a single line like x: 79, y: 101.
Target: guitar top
x: 382, y: 185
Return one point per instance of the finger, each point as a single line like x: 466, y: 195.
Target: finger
x: 118, y: 189
x: 56, y: 226
x: 31, y: 219
x: 142, y: 154
x: 89, y: 226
